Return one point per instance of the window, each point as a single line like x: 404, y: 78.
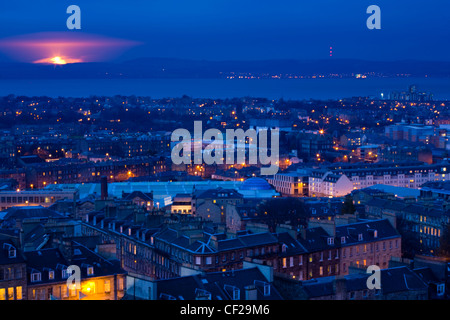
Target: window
x: 10, y: 293
x: 300, y: 260
x: 284, y: 262
x: 208, y: 260
x: 2, y: 294
x: 291, y: 261
x: 65, y: 273
x: 440, y: 289
x: 36, y: 276
x: 90, y: 271
x: 18, y: 273
x: 120, y: 284
x: 236, y: 294
x: 73, y: 291
x: 64, y: 291
x: 107, y: 286
x: 321, y: 270
x: 198, y: 260
x: 360, y: 237
x: 51, y: 275
x: 330, y: 241
x: 19, y: 293
x: 342, y: 239
x: 12, y: 252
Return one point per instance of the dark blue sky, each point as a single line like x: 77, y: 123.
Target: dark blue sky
x: 248, y: 29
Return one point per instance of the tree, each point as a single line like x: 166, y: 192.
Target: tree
x: 348, y: 207
x: 410, y: 240
x: 444, y: 245
x: 280, y: 210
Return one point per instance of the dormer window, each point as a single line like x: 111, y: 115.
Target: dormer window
x: 11, y: 250
x: 35, y: 276
x: 375, y: 233
x: 90, y: 271
x: 360, y: 237
x: 283, y: 248
x: 342, y: 239
x: 330, y: 240
x: 51, y: 275
x: 236, y: 294
x: 65, y: 273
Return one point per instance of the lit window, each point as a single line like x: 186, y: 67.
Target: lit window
x: 107, y: 286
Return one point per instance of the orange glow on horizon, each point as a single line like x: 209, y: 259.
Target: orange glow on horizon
x: 60, y: 48
x: 58, y: 60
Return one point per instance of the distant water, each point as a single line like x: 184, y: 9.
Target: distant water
x: 226, y: 88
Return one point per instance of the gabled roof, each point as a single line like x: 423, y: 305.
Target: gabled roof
x: 137, y: 194
x: 291, y: 246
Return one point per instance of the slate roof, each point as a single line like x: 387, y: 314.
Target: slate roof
x: 393, y: 280
x: 44, y: 260
x: 26, y: 212
x: 216, y: 284
x: 400, y: 279
x: 291, y: 245
x: 323, y: 209
x: 351, y: 231
x: 427, y: 275
x: 315, y: 239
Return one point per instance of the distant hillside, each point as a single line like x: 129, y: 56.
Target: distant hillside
x: 179, y: 68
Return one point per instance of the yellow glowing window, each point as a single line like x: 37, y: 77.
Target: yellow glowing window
x: 107, y: 286
x: 19, y: 293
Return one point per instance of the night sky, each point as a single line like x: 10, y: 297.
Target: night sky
x: 247, y: 29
